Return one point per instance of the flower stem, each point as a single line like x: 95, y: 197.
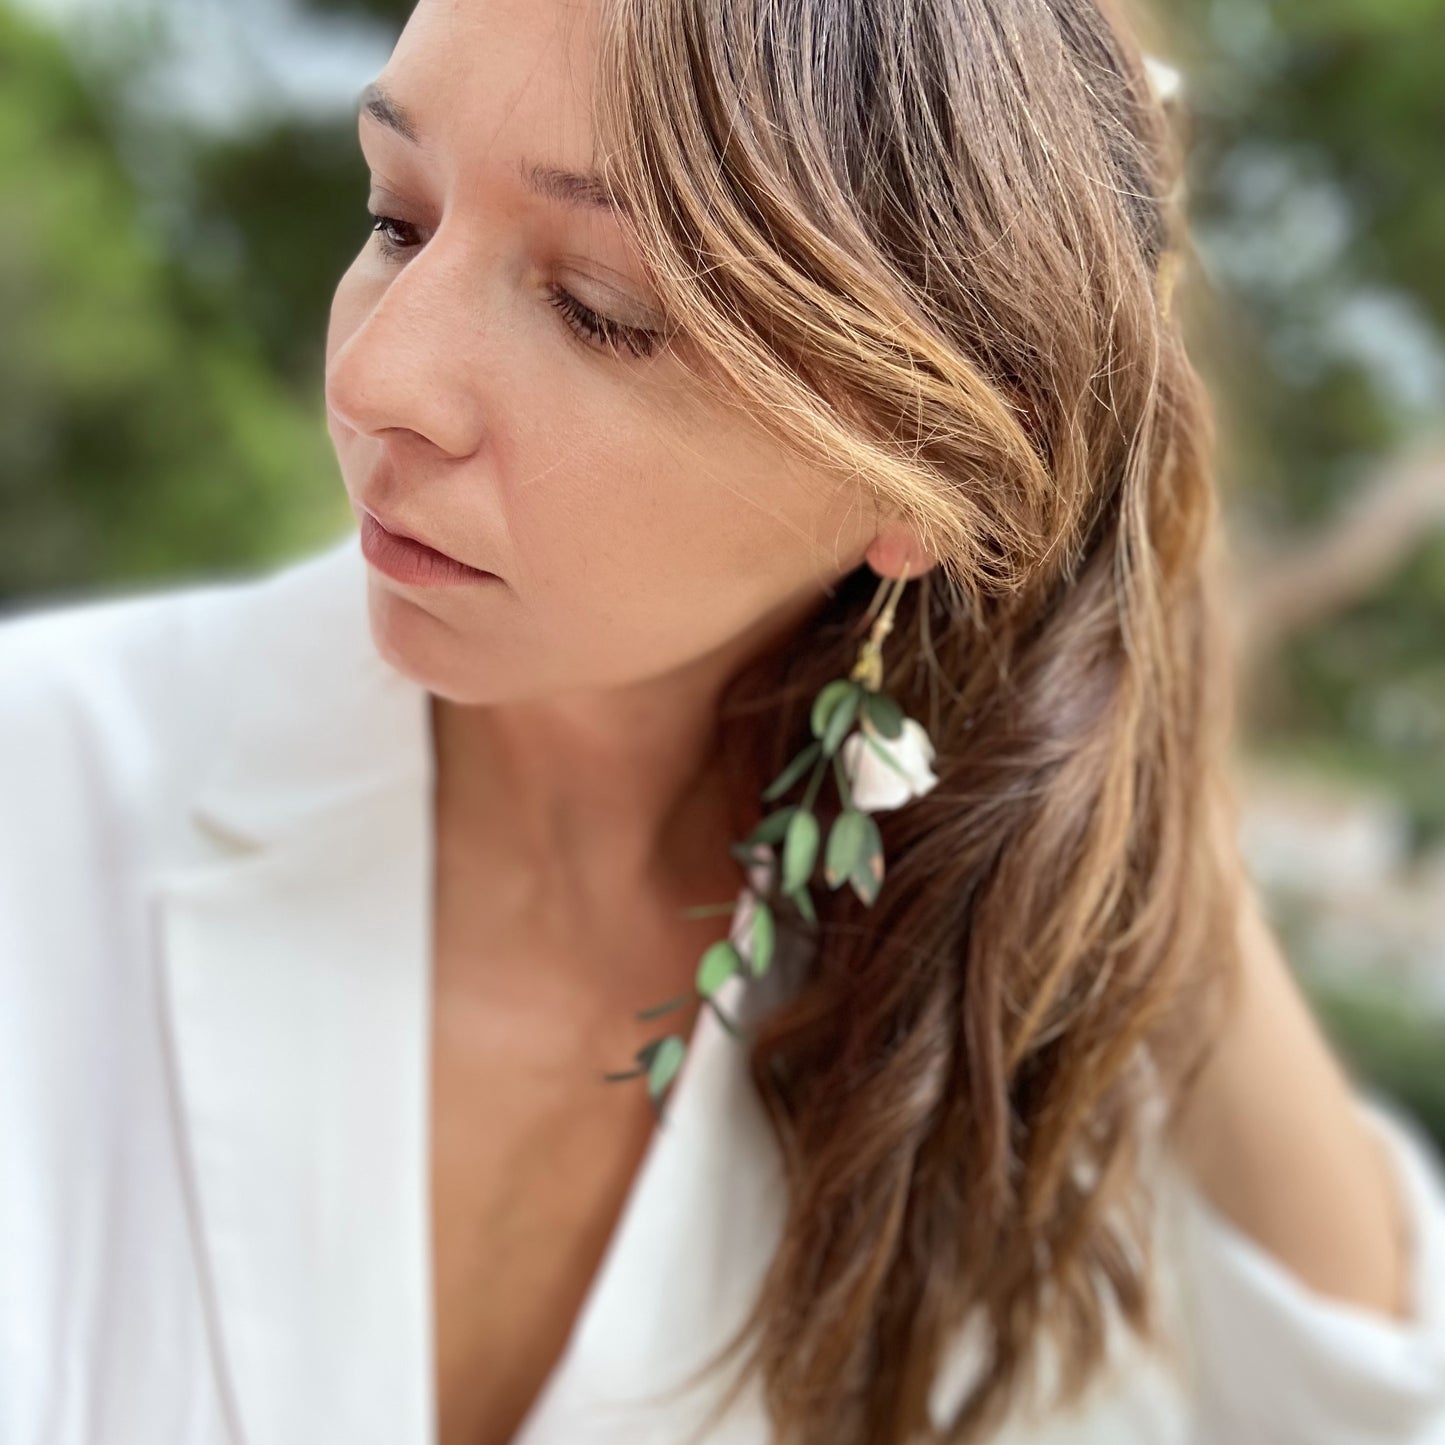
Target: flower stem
x: 618, y: 1076
x: 708, y: 910
x: 811, y: 791
x: 844, y: 791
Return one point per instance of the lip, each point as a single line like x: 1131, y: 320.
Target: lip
x: 406, y: 558
x: 399, y: 531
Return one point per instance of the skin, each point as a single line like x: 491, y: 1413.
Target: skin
x: 1275, y: 1139
x: 647, y: 539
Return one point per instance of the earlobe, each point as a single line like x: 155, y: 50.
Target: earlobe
x: 890, y: 553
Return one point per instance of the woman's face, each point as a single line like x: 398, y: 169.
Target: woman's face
x: 635, y: 526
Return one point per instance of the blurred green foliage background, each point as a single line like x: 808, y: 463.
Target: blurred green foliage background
x: 164, y: 288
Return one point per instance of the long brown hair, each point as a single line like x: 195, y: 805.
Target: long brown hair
x: 923, y: 240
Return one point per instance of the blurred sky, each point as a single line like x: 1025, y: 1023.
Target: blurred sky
x: 228, y: 60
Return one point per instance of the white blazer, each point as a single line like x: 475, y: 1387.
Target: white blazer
x: 215, y: 928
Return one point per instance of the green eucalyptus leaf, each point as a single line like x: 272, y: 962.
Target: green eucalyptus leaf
x: 827, y: 701
x: 866, y: 875
x: 718, y: 964
x: 764, y: 933
x: 804, y: 901
x: 884, y: 713
x: 666, y: 1061
x: 773, y: 828
x: 845, y: 845
x: 840, y: 720
x: 792, y: 772
x: 800, y: 849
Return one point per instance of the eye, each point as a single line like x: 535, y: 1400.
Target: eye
x: 601, y: 331
x: 394, y: 238
x: 381, y: 226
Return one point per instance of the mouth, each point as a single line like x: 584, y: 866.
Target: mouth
x: 396, y: 530
x: 407, y: 558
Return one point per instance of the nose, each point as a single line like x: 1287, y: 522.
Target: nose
x: 405, y: 364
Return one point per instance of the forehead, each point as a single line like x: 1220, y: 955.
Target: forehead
x: 480, y: 77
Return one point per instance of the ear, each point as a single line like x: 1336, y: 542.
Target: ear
x: 891, y: 550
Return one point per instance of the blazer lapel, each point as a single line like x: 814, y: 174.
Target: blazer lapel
x: 294, y: 947
x: 700, y: 1225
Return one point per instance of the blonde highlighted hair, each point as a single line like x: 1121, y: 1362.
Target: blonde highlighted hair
x: 926, y: 242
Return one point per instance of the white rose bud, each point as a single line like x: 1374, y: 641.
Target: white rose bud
x: 875, y: 786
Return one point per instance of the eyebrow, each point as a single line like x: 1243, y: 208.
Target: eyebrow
x: 570, y: 188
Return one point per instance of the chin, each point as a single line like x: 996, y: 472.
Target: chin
x: 423, y: 648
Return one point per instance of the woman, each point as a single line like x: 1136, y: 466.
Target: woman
x: 331, y: 898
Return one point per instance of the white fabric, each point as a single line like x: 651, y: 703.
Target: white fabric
x: 215, y: 862
x: 1285, y: 1363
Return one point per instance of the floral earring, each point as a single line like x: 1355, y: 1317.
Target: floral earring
x: 880, y: 760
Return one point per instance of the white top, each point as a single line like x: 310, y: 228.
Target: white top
x: 215, y: 864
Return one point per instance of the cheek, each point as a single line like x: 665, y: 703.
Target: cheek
x: 646, y: 547
x: 596, y: 509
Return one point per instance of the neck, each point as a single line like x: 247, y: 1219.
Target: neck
x: 609, y: 799
x: 603, y: 793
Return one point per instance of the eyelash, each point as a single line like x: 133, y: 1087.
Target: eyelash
x: 597, y: 331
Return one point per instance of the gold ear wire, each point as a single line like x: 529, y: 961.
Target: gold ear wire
x: 868, y: 669
x: 884, y: 583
